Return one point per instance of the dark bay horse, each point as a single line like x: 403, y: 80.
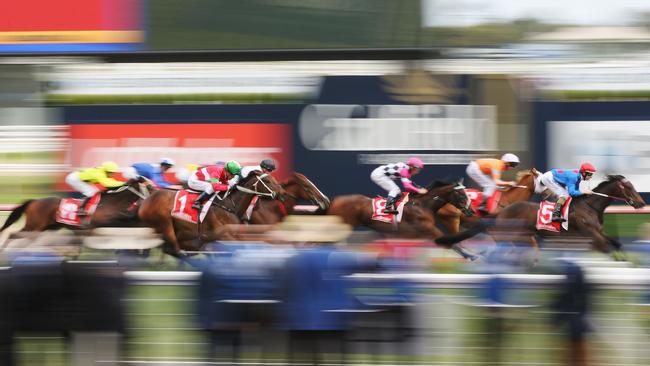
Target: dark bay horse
x: 586, y: 215
x: 451, y: 217
x: 418, y: 217
x: 297, y: 187
x: 180, y: 235
x: 117, y: 207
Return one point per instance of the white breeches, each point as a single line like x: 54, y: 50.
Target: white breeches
x: 384, y: 182
x: 199, y: 185
x: 485, y: 181
x: 550, y: 183
x: 78, y: 185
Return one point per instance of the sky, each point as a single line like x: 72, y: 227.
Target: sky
x: 581, y: 12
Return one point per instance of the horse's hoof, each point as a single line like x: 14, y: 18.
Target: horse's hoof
x: 620, y: 256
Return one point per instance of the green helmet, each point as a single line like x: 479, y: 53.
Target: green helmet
x: 233, y: 167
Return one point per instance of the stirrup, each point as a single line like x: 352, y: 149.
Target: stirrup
x: 390, y: 210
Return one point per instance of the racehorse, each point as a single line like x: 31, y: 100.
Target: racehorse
x: 585, y: 216
x: 297, y: 187
x: 450, y: 217
x: 417, y: 218
x: 180, y: 236
x: 116, y: 207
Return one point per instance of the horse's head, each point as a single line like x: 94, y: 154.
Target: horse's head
x: 299, y: 187
x: 261, y: 184
x: 453, y: 193
x: 623, y: 188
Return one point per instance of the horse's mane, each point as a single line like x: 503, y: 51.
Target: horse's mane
x: 523, y: 173
x: 610, y: 178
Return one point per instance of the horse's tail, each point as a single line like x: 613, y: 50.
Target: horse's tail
x: 449, y: 240
x: 15, y: 215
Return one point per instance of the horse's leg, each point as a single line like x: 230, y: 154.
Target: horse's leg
x: 449, y: 217
x: 463, y: 252
x: 169, y: 235
x: 533, y: 242
x: 450, y: 223
x: 599, y: 240
x: 614, y: 242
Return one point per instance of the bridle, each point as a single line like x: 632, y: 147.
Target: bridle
x: 254, y: 191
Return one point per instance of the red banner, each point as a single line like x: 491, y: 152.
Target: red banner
x: 126, y: 144
x: 29, y: 23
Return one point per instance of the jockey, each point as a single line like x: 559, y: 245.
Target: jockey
x: 84, y: 181
x: 155, y: 172
x: 566, y: 183
x: 266, y: 166
x: 212, y: 178
x: 385, y: 176
x: 487, y: 174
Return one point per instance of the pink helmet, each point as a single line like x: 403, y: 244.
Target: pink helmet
x: 415, y: 162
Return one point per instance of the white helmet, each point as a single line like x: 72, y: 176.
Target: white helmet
x: 510, y: 158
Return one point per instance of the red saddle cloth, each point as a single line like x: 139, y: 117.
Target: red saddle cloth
x: 68, y: 210
x: 183, y: 206
x: 379, y: 205
x: 476, y: 197
x: 545, y: 213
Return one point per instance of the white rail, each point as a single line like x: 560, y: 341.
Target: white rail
x: 604, y: 277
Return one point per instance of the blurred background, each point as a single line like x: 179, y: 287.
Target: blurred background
x: 333, y: 89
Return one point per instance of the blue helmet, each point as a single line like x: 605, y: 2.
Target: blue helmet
x: 167, y: 161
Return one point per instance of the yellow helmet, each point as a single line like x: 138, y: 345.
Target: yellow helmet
x: 110, y: 167
x: 191, y: 167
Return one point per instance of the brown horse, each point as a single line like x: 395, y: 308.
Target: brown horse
x: 117, y: 207
x: 417, y: 219
x: 297, y: 187
x: 585, y: 217
x: 450, y: 217
x: 183, y: 236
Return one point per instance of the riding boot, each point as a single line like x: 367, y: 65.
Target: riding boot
x: 198, y: 204
x: 82, y: 207
x: 557, y: 212
x: 390, y: 205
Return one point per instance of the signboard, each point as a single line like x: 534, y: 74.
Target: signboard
x: 341, y: 144
x: 128, y: 143
x: 70, y: 25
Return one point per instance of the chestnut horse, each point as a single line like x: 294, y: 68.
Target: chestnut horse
x: 117, y: 207
x: 297, y: 187
x: 417, y: 219
x: 586, y: 215
x: 527, y: 184
x: 180, y: 236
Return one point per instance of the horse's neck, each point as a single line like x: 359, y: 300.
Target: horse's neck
x: 516, y: 194
x: 600, y: 203
x: 240, y: 201
x: 293, y: 190
x: 434, y: 200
